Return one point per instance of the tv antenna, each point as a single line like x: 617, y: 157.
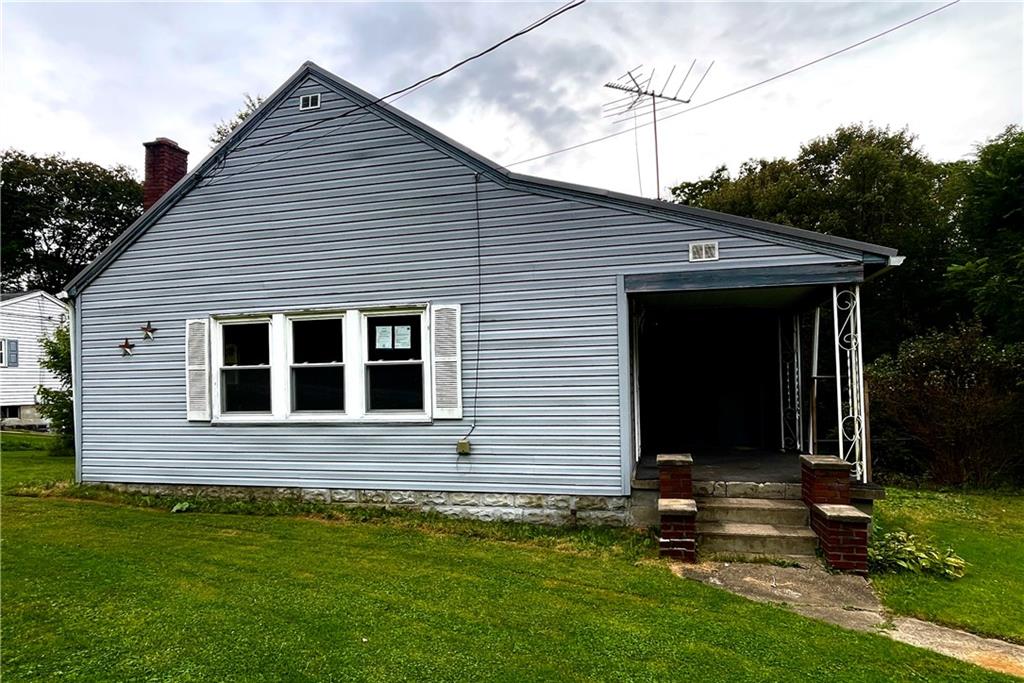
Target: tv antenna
x: 637, y: 85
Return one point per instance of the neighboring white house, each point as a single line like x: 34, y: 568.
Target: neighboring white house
x: 25, y: 317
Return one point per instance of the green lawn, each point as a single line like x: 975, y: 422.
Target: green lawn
x: 987, y: 530
x: 95, y: 591
x: 24, y: 461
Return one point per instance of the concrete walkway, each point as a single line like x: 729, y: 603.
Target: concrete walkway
x: 849, y: 601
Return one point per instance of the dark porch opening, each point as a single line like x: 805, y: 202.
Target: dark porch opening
x: 706, y: 380
x: 709, y: 380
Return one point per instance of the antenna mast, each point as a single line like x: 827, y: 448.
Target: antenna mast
x: 630, y: 83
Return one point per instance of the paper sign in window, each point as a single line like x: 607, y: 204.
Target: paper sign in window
x: 383, y: 340
x: 403, y: 336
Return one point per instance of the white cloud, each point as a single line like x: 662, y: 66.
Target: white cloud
x: 95, y: 81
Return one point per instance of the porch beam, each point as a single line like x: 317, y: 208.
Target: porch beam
x: 739, y: 278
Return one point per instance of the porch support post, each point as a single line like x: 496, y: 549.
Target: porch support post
x: 850, y: 408
x: 812, y: 420
x: 790, y: 383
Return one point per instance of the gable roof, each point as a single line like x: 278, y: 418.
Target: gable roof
x: 871, y: 254
x: 13, y: 297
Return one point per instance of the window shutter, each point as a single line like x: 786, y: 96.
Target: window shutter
x: 12, y: 353
x: 446, y: 347
x: 197, y: 369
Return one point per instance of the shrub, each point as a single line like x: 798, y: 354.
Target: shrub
x: 898, y: 551
x: 960, y: 395
x: 57, y: 405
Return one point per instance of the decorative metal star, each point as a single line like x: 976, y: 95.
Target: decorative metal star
x: 126, y: 347
x: 148, y: 331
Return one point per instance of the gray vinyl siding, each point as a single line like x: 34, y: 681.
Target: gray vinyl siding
x: 371, y: 214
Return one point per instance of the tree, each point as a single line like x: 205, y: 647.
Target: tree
x: 58, y: 214
x: 57, y: 405
x: 692, y: 193
x: 866, y: 183
x: 990, y: 263
x: 224, y: 128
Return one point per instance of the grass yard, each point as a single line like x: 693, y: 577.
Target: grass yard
x: 95, y: 591
x: 987, y: 530
x: 24, y: 460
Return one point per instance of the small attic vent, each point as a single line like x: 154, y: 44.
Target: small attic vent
x: 309, y: 102
x: 703, y: 251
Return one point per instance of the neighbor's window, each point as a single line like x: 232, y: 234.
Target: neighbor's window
x: 394, y: 363
x: 317, y: 364
x: 3, y: 353
x: 10, y: 412
x: 245, y: 372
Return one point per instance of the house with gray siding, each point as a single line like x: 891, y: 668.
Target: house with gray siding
x: 343, y: 304
x: 25, y: 319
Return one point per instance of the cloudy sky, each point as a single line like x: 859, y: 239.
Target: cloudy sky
x: 96, y: 80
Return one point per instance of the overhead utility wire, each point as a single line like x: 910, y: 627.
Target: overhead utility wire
x: 741, y: 90
x: 397, y: 94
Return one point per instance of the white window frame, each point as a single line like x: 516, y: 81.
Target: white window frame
x: 354, y: 353
x: 299, y: 415
x: 309, y: 98
x: 217, y: 366
x: 373, y: 415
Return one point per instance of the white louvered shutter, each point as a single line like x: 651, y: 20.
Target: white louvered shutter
x: 446, y: 347
x: 197, y: 369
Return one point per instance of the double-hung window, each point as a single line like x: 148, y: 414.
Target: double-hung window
x: 245, y: 375
x: 317, y: 364
x: 394, y: 362
x: 374, y: 364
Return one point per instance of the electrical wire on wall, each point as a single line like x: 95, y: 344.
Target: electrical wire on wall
x: 479, y: 302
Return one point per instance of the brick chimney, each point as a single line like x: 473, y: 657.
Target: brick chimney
x: 166, y: 164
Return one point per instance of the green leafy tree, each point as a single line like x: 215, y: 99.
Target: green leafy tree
x: 223, y: 129
x: 58, y: 214
x: 57, y: 405
x: 866, y: 183
x: 990, y: 267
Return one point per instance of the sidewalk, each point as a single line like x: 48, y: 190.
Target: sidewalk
x: 849, y: 601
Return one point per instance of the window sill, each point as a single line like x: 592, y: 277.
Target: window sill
x: 396, y: 418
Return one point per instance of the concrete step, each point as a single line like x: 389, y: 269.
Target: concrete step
x: 746, y: 489
x: 805, y: 561
x: 752, y: 511
x: 759, y: 539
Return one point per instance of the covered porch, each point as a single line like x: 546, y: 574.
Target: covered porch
x: 746, y: 370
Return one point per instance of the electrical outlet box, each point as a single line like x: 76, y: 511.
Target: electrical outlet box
x: 462, y: 447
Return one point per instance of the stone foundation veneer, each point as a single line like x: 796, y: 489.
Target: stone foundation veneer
x: 532, y: 508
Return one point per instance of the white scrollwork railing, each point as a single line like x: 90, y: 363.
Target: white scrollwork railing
x: 850, y: 378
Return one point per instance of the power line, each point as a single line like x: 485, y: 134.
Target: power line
x: 397, y: 94
x: 741, y: 90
